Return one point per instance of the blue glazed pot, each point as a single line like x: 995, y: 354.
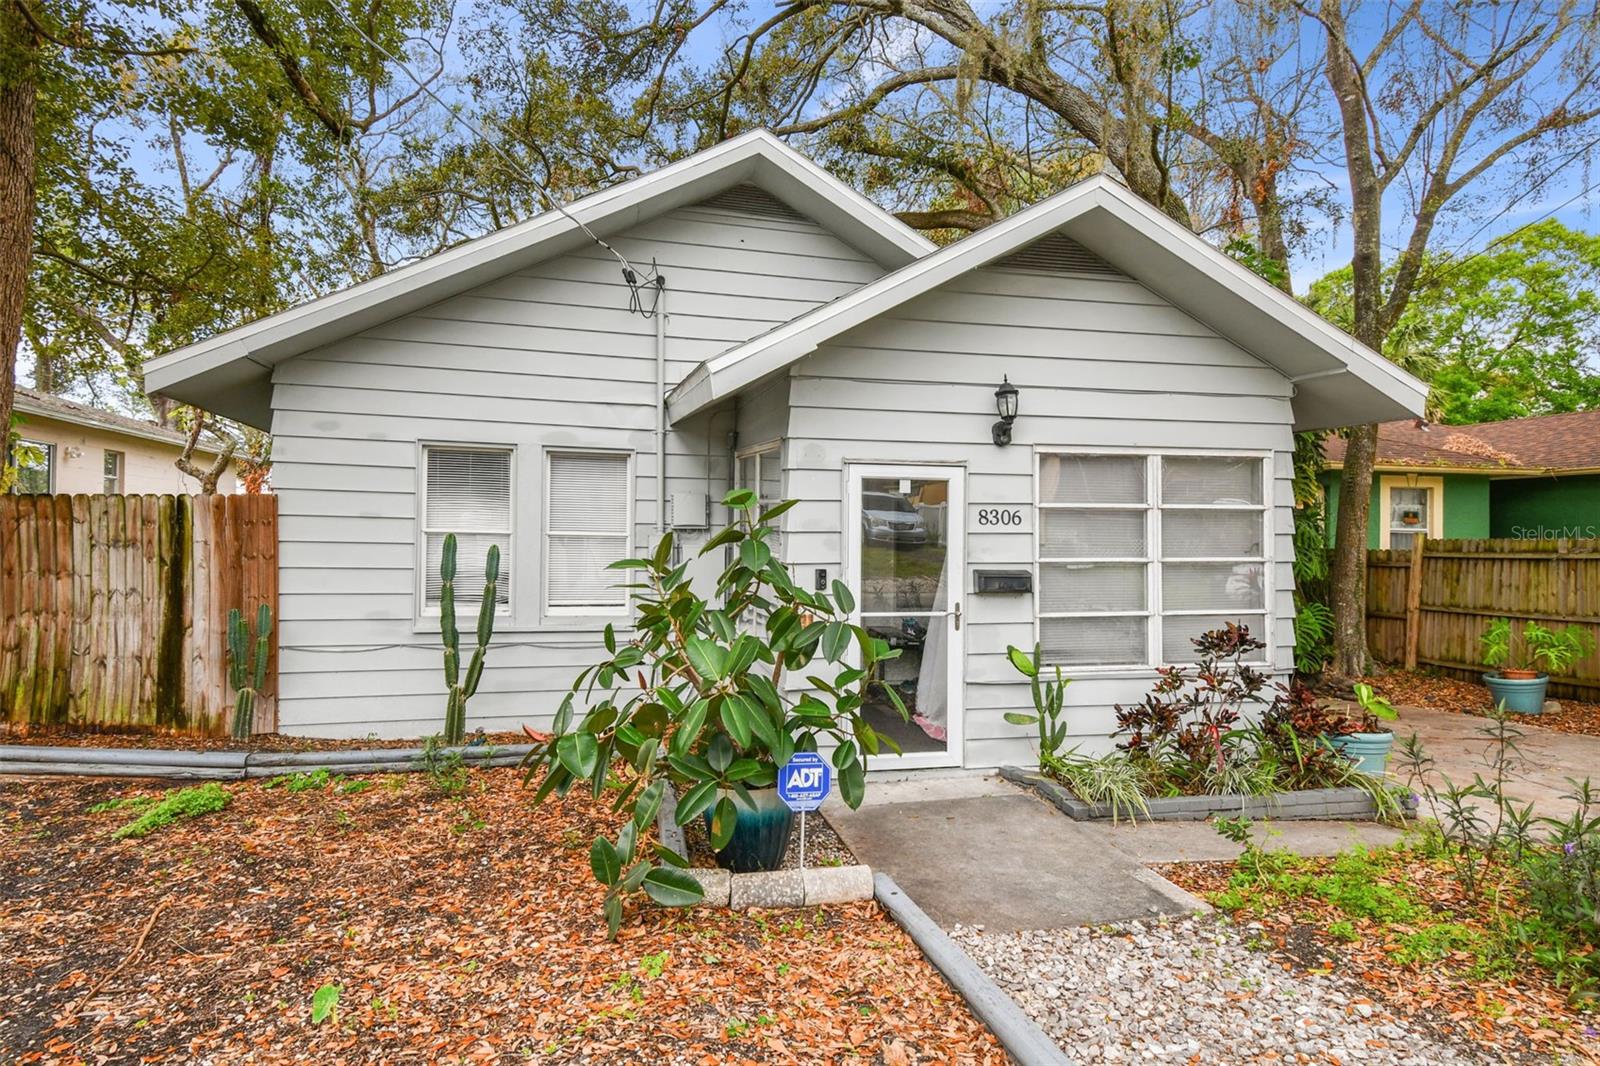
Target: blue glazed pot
x: 760, y: 836
x: 1369, y: 751
x: 1519, y: 696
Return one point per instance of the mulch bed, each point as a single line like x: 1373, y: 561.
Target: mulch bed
x: 273, y: 742
x: 1525, y: 1019
x: 459, y: 928
x: 1418, y: 689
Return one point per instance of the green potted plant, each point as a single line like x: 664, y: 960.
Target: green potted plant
x: 1517, y: 682
x: 1363, y: 739
x: 696, y: 698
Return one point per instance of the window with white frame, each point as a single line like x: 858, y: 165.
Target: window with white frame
x: 466, y: 491
x: 588, y: 522
x: 113, y: 463
x: 761, y: 469
x: 1139, y: 554
x: 36, y: 467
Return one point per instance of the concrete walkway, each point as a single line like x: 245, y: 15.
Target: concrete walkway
x: 1460, y: 750
x: 974, y: 850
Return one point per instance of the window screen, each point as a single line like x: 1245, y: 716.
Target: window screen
x: 588, y: 510
x: 468, y: 493
x: 1140, y: 554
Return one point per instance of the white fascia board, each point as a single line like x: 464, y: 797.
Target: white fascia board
x: 756, y: 156
x: 1148, y: 246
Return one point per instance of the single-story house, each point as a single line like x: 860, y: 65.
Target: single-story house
x: 69, y: 447
x: 804, y: 343
x: 1526, y: 478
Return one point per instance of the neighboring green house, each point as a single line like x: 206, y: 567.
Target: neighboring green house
x: 1525, y: 478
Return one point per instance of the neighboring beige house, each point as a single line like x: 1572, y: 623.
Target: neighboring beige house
x: 71, y: 447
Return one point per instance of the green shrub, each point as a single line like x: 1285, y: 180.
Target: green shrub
x: 175, y: 806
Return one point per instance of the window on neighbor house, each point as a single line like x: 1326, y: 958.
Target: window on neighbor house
x: 36, y: 467
x: 466, y: 491
x: 588, y: 524
x: 113, y: 472
x: 1138, y: 554
x: 1409, y: 510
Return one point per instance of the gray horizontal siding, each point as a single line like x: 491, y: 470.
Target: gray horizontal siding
x: 1101, y: 363
x: 546, y: 357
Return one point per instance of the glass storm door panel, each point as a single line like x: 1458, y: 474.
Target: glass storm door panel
x: 906, y: 537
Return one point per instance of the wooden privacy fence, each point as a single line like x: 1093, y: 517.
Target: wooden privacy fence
x: 114, y: 609
x: 1430, y: 606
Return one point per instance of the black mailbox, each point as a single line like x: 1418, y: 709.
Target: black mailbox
x: 1002, y: 581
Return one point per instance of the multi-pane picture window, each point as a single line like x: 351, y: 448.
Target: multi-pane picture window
x: 1138, y: 554
x: 588, y: 515
x: 466, y: 491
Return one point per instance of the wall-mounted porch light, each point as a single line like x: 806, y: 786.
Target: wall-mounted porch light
x: 1005, y: 402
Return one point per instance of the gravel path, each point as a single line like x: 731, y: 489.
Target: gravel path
x: 1192, y: 990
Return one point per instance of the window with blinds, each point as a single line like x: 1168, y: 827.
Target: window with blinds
x: 588, y: 518
x: 1139, y: 554
x: 466, y: 491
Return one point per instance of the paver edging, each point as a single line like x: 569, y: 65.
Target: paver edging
x: 179, y: 764
x: 1023, y: 1040
x: 1347, y: 803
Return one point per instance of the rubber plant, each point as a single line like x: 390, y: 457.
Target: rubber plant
x: 247, y: 666
x: 462, y: 689
x: 698, y: 697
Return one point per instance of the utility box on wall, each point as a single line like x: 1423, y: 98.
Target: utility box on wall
x: 689, y: 510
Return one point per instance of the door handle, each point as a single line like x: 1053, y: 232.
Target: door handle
x: 958, y: 616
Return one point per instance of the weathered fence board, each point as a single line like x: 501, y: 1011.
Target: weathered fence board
x: 114, y: 609
x: 1459, y: 586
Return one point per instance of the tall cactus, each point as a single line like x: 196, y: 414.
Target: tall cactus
x: 247, y: 666
x: 455, y: 711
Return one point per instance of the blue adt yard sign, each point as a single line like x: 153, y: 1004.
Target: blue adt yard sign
x: 804, y: 781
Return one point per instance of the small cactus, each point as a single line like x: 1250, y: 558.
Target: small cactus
x: 455, y: 711
x: 247, y: 665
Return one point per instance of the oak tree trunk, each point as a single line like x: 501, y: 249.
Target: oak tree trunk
x: 17, y: 190
x: 1348, y: 581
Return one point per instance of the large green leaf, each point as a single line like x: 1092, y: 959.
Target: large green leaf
x: 835, y: 640
x: 754, y: 554
x: 740, y: 499
x: 843, y: 596
x: 688, y: 730
x: 578, y: 752
x: 1022, y: 661
x: 694, y: 801
x: 723, y: 820
x: 649, y: 802
x: 736, y: 720
x: 605, y: 862
x: 673, y: 888
x: 708, y: 659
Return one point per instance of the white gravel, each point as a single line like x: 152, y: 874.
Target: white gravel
x: 1192, y: 990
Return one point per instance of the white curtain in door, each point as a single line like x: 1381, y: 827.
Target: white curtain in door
x: 933, y: 701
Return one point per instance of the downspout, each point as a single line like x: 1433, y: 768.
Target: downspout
x: 661, y: 405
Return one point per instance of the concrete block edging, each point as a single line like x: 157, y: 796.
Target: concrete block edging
x: 1023, y: 1040
x: 813, y: 886
x: 1322, y: 803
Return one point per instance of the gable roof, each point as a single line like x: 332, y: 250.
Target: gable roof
x: 1338, y: 380
x: 1542, y: 444
x: 61, y: 409
x: 230, y: 374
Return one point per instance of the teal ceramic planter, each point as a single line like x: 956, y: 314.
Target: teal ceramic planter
x: 760, y: 836
x: 1369, y: 751
x: 1518, y: 695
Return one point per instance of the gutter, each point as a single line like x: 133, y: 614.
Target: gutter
x: 31, y: 759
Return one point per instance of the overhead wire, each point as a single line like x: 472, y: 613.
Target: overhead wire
x: 635, y: 279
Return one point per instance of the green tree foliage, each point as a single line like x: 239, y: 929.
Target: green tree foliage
x: 1508, y: 332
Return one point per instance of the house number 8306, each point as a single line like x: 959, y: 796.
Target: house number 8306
x: 998, y: 516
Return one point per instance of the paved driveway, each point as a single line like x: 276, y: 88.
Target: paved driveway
x: 1460, y: 749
